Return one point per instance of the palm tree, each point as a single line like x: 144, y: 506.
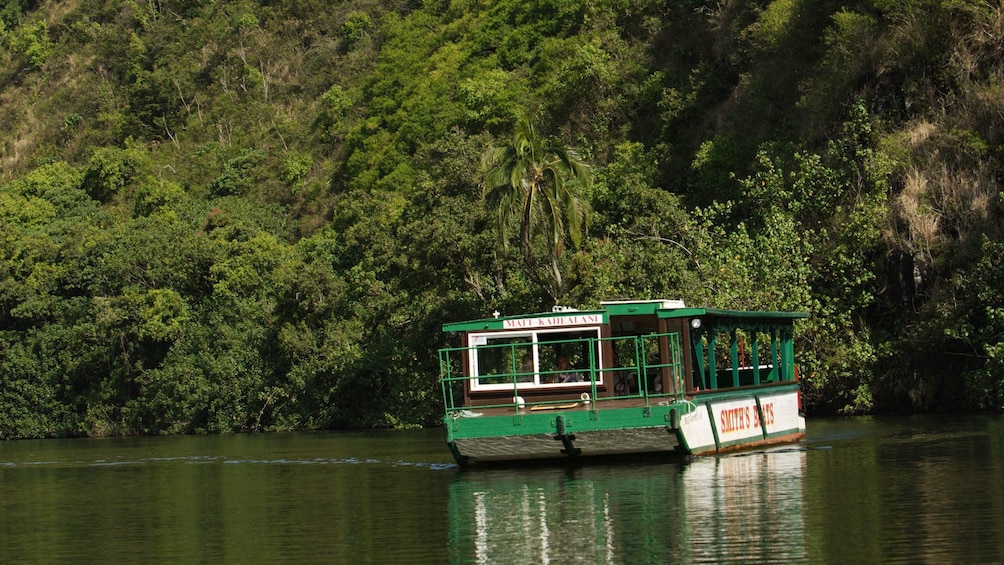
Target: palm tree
x: 537, y: 184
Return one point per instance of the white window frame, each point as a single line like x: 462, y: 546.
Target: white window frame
x: 480, y: 338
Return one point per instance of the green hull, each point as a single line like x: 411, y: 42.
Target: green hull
x: 713, y: 423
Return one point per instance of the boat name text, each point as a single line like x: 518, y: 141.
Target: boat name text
x: 746, y: 417
x: 579, y: 320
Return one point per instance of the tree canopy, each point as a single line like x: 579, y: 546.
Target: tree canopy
x: 256, y: 215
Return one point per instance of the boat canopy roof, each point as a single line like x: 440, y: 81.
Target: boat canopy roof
x: 565, y: 317
x: 733, y: 314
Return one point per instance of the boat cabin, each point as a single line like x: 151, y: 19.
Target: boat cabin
x: 624, y: 350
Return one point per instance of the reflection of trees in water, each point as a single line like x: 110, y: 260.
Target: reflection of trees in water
x: 750, y: 505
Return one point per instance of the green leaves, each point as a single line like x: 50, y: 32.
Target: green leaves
x: 239, y: 174
x: 357, y: 26
x: 536, y: 184
x: 31, y: 41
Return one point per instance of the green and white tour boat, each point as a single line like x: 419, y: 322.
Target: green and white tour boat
x: 633, y: 377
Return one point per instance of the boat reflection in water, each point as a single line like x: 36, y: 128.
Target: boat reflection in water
x: 744, y: 508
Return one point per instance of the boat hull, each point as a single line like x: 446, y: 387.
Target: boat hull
x: 705, y: 424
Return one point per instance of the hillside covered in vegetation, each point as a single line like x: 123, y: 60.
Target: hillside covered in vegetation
x: 256, y: 215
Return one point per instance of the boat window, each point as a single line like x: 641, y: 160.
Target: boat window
x: 500, y: 360
x: 529, y: 359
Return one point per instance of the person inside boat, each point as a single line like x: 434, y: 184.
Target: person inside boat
x: 625, y: 380
x: 526, y: 369
x: 565, y: 374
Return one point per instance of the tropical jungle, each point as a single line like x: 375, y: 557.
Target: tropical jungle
x: 257, y: 215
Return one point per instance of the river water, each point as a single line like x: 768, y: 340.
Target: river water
x: 863, y: 490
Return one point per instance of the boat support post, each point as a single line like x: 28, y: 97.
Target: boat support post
x: 565, y: 439
x: 674, y: 419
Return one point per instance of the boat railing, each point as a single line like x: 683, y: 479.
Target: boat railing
x: 728, y: 354
x: 640, y: 368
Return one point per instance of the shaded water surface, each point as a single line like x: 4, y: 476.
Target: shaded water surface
x: 909, y: 490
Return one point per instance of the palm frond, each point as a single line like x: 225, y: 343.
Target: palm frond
x: 534, y: 184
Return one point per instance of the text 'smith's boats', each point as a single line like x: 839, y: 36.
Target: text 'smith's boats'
x: 634, y: 377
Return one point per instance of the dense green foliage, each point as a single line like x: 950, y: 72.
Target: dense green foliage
x: 256, y: 215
